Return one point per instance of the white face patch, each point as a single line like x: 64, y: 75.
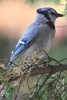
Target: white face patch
x: 52, y: 16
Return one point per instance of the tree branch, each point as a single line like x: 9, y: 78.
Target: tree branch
x: 41, y: 70
x: 48, y: 69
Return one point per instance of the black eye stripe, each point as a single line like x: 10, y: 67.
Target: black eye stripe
x: 52, y: 13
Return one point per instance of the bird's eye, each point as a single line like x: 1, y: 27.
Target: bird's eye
x: 52, y: 13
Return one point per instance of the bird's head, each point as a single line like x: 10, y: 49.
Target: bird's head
x: 49, y: 13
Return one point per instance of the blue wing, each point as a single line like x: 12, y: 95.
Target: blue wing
x: 28, y: 36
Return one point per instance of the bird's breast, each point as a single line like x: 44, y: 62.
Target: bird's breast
x: 43, y: 40
x: 45, y: 37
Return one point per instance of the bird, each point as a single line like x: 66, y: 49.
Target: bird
x: 38, y: 36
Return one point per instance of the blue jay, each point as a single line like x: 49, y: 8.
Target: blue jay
x: 38, y: 36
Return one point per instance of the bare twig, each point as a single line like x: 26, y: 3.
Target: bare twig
x: 48, y: 69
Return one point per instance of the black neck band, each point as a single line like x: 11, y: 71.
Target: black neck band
x: 50, y: 23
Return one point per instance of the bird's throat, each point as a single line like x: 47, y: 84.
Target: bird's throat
x: 51, y: 25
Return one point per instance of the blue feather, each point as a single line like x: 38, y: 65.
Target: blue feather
x: 29, y: 34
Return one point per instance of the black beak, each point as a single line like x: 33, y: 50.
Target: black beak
x: 59, y: 15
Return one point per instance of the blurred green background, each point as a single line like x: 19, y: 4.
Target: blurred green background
x: 59, y: 51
